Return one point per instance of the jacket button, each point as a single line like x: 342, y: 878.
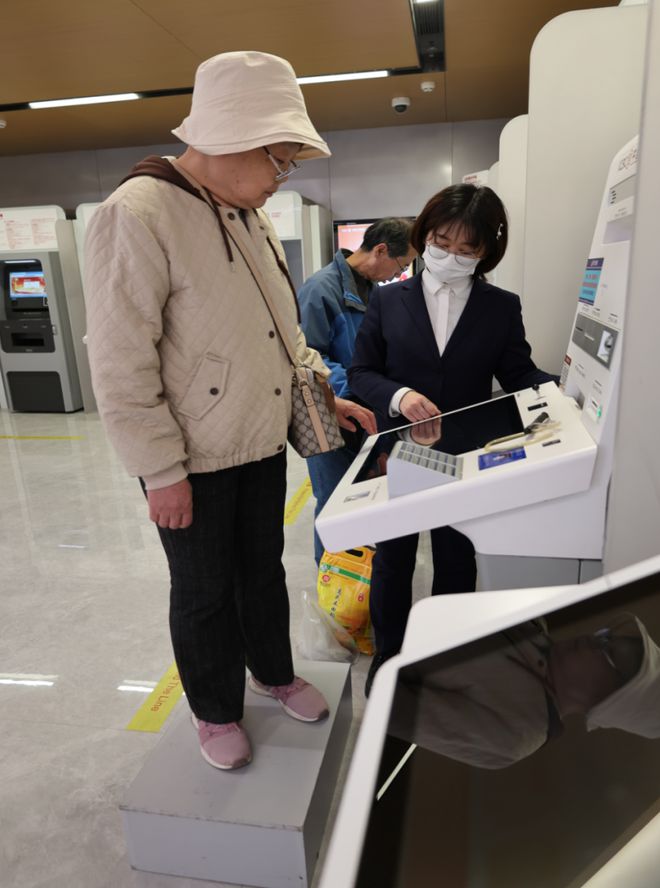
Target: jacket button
x: 278, y: 391
x: 271, y: 333
x: 280, y: 447
x: 214, y: 391
x: 231, y: 216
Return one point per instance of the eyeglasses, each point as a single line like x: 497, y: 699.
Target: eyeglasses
x: 402, y: 268
x: 282, y: 174
x: 438, y: 252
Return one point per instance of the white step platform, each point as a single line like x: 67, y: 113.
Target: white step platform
x: 261, y: 825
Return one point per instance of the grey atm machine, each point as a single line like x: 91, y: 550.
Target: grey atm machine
x: 36, y: 345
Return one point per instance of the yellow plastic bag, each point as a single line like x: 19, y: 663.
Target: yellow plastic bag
x: 343, y: 592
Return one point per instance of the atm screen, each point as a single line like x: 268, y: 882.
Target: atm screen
x: 28, y: 285
x: 457, y: 432
x: 535, y: 751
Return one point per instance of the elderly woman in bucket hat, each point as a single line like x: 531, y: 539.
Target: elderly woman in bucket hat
x: 194, y: 385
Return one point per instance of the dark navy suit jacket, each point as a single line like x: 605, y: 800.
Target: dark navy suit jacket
x: 396, y: 347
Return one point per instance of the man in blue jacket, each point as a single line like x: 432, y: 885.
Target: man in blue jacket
x: 332, y: 304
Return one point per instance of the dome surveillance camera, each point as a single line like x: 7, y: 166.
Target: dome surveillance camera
x: 3, y: 123
x: 401, y: 104
x: 427, y: 86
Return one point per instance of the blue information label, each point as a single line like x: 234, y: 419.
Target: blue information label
x: 591, y: 280
x: 501, y: 458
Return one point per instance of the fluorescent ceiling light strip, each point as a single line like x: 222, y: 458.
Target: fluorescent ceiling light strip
x: 85, y: 100
x: 332, y: 78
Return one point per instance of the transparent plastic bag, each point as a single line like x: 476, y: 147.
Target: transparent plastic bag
x: 322, y: 638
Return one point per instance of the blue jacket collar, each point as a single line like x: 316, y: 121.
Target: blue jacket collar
x: 351, y: 295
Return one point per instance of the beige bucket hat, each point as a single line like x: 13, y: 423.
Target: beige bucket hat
x: 244, y: 100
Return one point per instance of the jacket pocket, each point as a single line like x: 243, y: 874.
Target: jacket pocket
x: 207, y: 387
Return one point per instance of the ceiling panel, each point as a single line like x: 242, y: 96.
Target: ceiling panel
x: 487, y: 52
x: 81, y: 48
x: 317, y: 36
x: 368, y: 103
x: 146, y: 122
x: 62, y: 48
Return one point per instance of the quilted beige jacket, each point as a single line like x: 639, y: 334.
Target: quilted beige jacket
x: 189, y: 373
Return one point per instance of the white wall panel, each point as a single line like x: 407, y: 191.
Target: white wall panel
x: 584, y: 105
x: 511, y: 179
x: 388, y: 171
x: 474, y: 146
x: 633, y: 520
x: 115, y: 163
x: 64, y: 179
x: 372, y: 173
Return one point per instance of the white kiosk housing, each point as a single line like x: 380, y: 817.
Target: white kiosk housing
x: 305, y: 230
x: 540, y: 495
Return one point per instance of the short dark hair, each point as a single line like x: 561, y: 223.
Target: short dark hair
x: 478, y: 210
x: 394, y: 233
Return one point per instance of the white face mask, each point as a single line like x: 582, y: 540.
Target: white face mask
x: 445, y: 267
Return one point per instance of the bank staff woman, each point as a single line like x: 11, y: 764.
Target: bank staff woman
x: 430, y: 344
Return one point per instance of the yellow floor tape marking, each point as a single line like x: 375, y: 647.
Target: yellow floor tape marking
x: 153, y: 713
x: 41, y: 437
x: 295, y: 505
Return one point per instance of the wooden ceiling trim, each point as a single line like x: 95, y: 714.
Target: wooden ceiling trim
x: 316, y: 36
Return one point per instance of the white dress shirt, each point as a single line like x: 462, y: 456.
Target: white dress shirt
x: 445, y: 306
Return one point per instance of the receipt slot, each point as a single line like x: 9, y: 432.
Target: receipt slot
x: 36, y: 347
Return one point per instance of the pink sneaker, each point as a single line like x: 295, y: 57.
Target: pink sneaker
x: 299, y: 699
x: 223, y: 746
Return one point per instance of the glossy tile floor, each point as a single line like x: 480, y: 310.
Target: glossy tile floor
x: 83, y: 616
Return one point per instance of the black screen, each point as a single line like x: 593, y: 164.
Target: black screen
x: 537, y: 752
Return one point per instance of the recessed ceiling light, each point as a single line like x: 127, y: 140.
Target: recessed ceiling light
x: 85, y: 100
x: 333, y: 78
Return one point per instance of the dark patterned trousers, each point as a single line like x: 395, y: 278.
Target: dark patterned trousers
x: 390, y: 596
x: 229, y: 605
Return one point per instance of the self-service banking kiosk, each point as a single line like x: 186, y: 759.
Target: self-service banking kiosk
x: 524, y: 476
x: 36, y: 343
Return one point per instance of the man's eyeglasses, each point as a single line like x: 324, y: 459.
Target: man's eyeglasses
x: 282, y: 174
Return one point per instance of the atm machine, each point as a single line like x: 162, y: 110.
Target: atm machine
x: 524, y: 476
x: 37, y: 354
